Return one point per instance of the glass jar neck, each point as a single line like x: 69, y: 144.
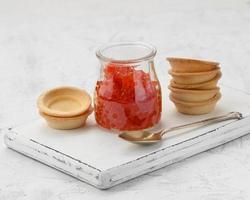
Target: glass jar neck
x: 130, y: 53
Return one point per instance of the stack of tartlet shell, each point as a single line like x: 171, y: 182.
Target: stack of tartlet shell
x: 194, y: 89
x: 65, y: 107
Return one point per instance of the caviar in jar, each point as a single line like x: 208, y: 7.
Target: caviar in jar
x: 128, y: 94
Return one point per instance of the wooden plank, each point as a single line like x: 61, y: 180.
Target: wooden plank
x: 118, y: 174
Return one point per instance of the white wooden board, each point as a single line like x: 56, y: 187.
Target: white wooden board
x: 100, y: 158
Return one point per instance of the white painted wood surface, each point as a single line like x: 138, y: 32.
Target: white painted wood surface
x: 100, y: 158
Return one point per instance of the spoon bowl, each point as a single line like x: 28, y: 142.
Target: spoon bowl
x: 142, y: 137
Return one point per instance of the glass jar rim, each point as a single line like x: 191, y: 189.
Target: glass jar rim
x: 151, y: 54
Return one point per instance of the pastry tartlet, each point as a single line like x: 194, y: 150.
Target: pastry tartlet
x: 193, y: 95
x: 201, y: 86
x: 189, y: 78
x: 196, y: 108
x: 191, y: 65
x: 66, y: 123
x: 65, y: 107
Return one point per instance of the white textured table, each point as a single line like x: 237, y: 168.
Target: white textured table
x: 45, y: 44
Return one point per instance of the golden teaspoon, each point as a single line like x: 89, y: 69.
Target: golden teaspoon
x: 147, y: 137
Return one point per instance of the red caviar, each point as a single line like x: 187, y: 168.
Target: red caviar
x: 127, y: 99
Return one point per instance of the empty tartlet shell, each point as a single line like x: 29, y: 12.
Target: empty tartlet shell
x: 196, y: 108
x: 193, y: 95
x: 64, y: 102
x: 67, y: 123
x: 201, y: 86
x: 191, y: 65
x: 195, y: 77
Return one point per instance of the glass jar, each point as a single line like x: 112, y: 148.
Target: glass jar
x: 128, y: 92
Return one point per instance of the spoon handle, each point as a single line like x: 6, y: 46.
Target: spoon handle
x: 231, y: 115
